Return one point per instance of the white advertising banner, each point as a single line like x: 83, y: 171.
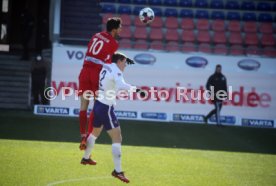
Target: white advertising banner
x: 251, y: 84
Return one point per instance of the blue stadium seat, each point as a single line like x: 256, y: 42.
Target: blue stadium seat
x: 263, y: 6
x: 155, y: 2
x: 201, y: 3
x: 186, y: 13
x: 217, y: 15
x: 107, y: 1
x: 248, y: 5
x: 217, y: 4
x: 137, y: 9
x: 124, y: 10
x: 123, y: 1
x: 202, y: 14
x: 233, y: 16
x: 170, y: 12
x: 106, y: 8
x: 264, y: 17
x: 274, y: 7
x: 249, y: 16
x: 186, y: 3
x: 140, y: 2
x: 157, y: 11
x: 170, y: 2
x: 234, y: 5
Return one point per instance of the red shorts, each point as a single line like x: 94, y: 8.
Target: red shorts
x: 89, y: 79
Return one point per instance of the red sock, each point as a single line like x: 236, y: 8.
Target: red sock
x: 83, y: 122
x: 90, y: 123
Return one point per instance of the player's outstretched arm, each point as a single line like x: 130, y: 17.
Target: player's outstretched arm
x: 121, y: 84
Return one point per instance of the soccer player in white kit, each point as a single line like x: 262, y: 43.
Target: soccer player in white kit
x: 110, y: 81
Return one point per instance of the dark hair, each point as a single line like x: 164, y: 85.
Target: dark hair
x: 218, y: 66
x: 113, y: 23
x: 118, y: 56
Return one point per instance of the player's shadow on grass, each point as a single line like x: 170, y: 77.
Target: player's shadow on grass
x: 25, y: 125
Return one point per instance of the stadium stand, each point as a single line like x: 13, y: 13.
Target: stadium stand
x: 218, y: 25
x: 235, y: 38
x: 126, y: 34
x: 172, y: 46
x: 186, y: 3
x: 124, y: 10
x: 188, y: 36
x: 264, y: 17
x: 205, y: 48
x: 219, y: 38
x: 125, y: 43
x: 78, y: 21
x: 203, y: 36
x: 172, y: 35
x: 220, y: 49
x: 158, y: 22
x: 189, y: 47
x: 234, y: 26
x: 233, y: 16
x: 139, y: 33
x: 171, y: 22
x: 217, y: 15
x: 156, y: 45
x: 155, y: 2
x: 156, y: 34
x: 201, y: 3
x: 186, y: 13
x: 171, y: 12
x: 234, y: 5
x: 269, y: 52
x: 251, y: 39
x: 170, y: 3
x: 216, y: 4
x: 187, y: 24
x: 250, y: 27
x: 140, y: 2
x: 202, y: 24
x: 224, y: 27
x: 268, y: 40
x: 236, y: 50
x: 126, y: 20
x: 138, y: 23
x: 266, y: 28
x: 141, y: 45
x: 253, y: 50
x: 137, y: 9
x: 248, y: 5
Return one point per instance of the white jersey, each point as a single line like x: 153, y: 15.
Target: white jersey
x: 111, y: 80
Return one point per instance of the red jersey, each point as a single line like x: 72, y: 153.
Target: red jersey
x: 101, y: 46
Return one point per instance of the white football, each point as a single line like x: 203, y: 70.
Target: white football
x: 146, y: 15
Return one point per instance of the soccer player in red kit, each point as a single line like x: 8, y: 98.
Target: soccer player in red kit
x: 100, y: 50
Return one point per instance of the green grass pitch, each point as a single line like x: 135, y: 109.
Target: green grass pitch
x: 43, y: 151
x: 58, y: 163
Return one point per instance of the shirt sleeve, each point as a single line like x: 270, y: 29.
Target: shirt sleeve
x: 121, y: 84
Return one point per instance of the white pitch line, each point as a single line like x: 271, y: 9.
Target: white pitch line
x: 78, y: 179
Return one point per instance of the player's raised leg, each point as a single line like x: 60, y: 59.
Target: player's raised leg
x: 91, y: 139
x: 91, y: 115
x: 83, y: 121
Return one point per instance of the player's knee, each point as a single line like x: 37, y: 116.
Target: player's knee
x: 84, y: 104
x: 117, y: 139
x: 96, y: 131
